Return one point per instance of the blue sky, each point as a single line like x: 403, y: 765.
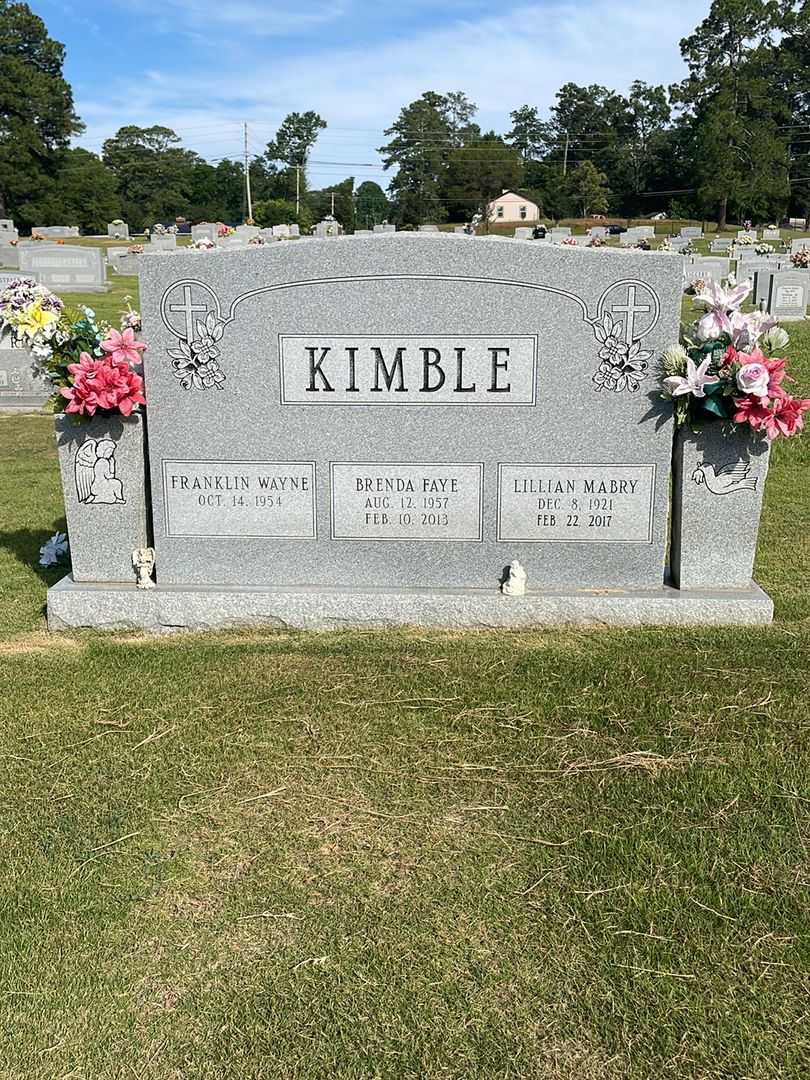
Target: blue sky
x: 204, y: 66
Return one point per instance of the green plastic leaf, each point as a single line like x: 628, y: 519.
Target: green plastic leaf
x: 711, y: 405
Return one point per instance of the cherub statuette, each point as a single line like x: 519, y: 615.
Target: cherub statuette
x: 143, y: 563
x: 515, y: 585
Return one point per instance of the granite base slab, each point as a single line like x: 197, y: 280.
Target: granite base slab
x: 72, y: 605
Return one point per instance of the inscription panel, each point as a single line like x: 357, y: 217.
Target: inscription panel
x: 416, y: 502
x: 321, y: 369
x: 608, y: 504
x: 790, y: 296
x: 270, y: 499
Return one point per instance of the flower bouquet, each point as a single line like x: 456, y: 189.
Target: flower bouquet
x: 801, y: 258
x: 130, y: 319
x: 726, y: 368
x: 225, y: 230
x: 596, y: 242
x: 726, y: 382
x: 569, y: 241
x: 643, y: 244
x: 205, y: 243
x: 90, y: 368
x: 764, y: 249
x: 745, y: 241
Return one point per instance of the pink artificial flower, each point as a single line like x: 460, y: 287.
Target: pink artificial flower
x: 787, y: 417
x: 713, y: 324
x: 753, y: 411
x: 753, y: 379
x: 784, y: 416
x: 122, y: 347
x: 777, y: 373
x: 721, y: 304
x: 775, y: 369
x: 102, y: 384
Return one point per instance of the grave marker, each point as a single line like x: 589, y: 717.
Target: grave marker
x: 373, y: 430
x: 789, y: 295
x: 65, y: 269
x: 55, y: 232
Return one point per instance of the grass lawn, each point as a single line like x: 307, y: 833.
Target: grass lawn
x: 548, y: 855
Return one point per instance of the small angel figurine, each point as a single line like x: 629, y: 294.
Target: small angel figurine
x: 515, y: 585
x: 143, y: 563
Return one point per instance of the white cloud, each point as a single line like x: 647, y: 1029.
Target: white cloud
x: 204, y: 20
x: 521, y: 55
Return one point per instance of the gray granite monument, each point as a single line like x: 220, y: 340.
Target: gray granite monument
x: 789, y: 295
x: 369, y: 431
x: 65, y: 268
x: 55, y: 232
x: 20, y: 390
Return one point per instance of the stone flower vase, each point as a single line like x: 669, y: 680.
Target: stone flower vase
x: 103, y: 467
x: 718, y: 477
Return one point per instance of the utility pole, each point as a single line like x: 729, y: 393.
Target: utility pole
x: 297, y: 189
x: 333, y: 204
x: 247, y: 178
x: 565, y: 155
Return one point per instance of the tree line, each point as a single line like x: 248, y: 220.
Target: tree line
x: 730, y: 141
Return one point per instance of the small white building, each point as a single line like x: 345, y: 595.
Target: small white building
x: 512, y: 208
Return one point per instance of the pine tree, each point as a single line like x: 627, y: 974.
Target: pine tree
x: 37, y: 118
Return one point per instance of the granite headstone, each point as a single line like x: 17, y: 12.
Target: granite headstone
x: 65, y: 268
x: 789, y: 295
x: 414, y: 412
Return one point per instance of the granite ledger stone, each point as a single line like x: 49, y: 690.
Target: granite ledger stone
x: 408, y: 412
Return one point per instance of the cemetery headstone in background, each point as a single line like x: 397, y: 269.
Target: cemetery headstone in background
x: 206, y: 230
x: 8, y: 234
x: 65, y: 268
x: 247, y: 232
x: 789, y: 295
x: 123, y: 261
x: 706, y: 268
x: 118, y: 230
x: 19, y: 389
x: 55, y: 232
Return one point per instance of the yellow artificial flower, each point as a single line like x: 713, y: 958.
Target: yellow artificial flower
x: 35, y: 320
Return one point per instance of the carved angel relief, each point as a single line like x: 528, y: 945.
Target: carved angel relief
x: 94, y: 469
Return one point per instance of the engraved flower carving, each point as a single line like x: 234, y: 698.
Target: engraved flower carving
x: 196, y: 363
x: 623, y: 364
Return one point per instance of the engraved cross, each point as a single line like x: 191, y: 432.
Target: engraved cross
x: 188, y: 309
x: 630, y: 309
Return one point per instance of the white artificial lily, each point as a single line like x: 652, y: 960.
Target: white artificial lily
x: 695, y: 381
